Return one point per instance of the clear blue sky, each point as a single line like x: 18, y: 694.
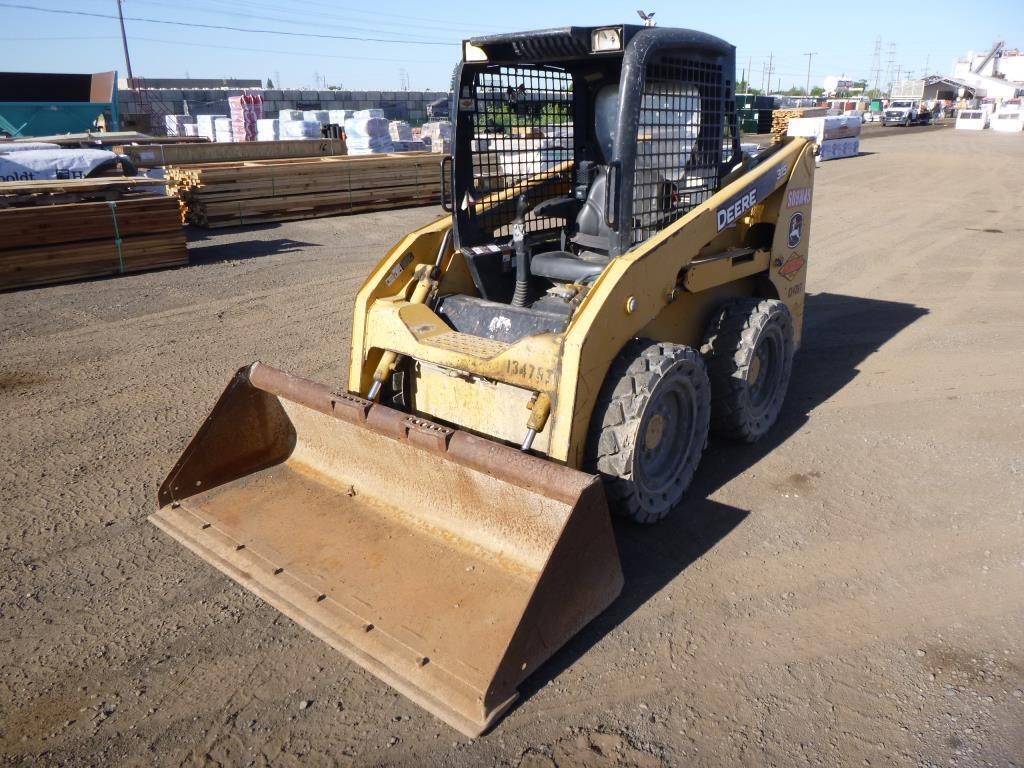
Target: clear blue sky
x: 422, y: 38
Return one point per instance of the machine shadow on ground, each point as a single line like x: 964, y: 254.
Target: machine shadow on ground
x: 840, y: 332
x: 245, y: 249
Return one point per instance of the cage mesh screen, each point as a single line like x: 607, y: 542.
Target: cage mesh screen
x: 679, y: 142
x: 522, y: 129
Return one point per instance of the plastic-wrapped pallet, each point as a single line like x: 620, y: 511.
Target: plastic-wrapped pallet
x: 408, y: 146
x: 438, y: 135
x: 321, y: 116
x: 205, y: 125
x: 190, y: 129
x: 290, y: 115
x: 175, y: 124
x: 367, y: 133
x: 833, y: 149
x: 222, y: 130
x: 299, y: 129
x: 400, y: 130
x: 268, y: 129
x: 245, y: 111
x: 339, y: 116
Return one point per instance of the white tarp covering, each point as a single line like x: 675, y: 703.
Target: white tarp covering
x: 823, y: 128
x: 44, y: 164
x: 7, y: 148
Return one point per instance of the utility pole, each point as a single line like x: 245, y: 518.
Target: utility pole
x: 124, y: 41
x: 811, y: 55
x: 771, y: 57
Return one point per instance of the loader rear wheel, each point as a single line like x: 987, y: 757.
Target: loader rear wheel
x: 749, y: 354
x: 650, y: 427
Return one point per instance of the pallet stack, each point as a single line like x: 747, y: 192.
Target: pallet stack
x: 781, y: 118
x: 233, y: 194
x: 54, y: 233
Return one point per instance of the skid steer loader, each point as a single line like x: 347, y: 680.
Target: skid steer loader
x: 614, y: 280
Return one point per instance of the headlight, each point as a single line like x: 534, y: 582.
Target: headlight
x: 471, y: 52
x: 607, y: 39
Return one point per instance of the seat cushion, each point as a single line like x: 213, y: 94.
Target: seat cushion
x: 565, y: 267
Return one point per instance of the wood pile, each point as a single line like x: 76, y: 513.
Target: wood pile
x: 781, y: 118
x: 232, y: 194
x: 153, y: 155
x: 50, y: 242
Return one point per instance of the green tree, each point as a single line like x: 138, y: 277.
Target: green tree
x: 817, y: 91
x: 270, y: 84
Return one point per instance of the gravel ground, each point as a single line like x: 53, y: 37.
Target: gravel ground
x: 849, y: 592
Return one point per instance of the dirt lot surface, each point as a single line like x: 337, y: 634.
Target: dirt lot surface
x: 850, y: 592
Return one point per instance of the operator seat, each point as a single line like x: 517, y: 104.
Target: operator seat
x: 592, y: 233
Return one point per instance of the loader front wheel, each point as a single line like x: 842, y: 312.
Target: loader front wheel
x: 749, y: 354
x: 649, y: 428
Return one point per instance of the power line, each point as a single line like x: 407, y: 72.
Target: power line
x: 299, y: 20
x: 245, y: 10
x: 224, y: 27
x: 311, y: 54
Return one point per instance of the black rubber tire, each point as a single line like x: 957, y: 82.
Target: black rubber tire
x: 749, y: 353
x: 650, y: 387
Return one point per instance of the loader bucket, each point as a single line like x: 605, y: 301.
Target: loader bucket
x: 446, y: 564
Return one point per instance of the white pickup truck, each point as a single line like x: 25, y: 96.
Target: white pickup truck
x: 906, y: 112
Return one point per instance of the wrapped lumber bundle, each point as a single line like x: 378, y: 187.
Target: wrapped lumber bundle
x: 206, y: 125
x: 268, y: 130
x: 245, y: 111
x: 289, y: 114
x: 339, y: 116
x: 176, y: 124
x: 222, y: 130
x: 321, y: 116
x: 368, y: 132
x: 299, y: 129
x: 400, y: 130
x: 51, y: 243
x: 232, y: 194
x: 416, y: 145
x: 438, y: 135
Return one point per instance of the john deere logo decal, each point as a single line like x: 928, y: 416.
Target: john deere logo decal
x: 796, y: 228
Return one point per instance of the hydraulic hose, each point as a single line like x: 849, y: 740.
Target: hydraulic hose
x: 522, y: 291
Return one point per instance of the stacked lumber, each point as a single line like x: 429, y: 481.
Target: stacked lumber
x: 232, y: 194
x: 55, y: 191
x: 44, y: 244
x: 154, y: 155
x: 781, y: 118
